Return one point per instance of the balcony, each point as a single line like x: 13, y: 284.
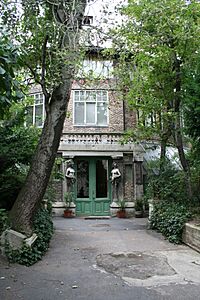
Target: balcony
x: 91, y: 139
x: 95, y: 144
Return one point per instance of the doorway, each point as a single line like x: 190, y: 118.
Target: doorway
x: 92, y: 189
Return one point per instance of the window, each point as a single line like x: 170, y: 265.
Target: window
x: 36, y: 112
x: 96, y: 68
x: 91, y: 108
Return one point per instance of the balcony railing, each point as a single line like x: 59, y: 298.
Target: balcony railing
x: 91, y: 138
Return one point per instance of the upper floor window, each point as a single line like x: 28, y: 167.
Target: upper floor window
x: 36, y: 111
x: 96, y: 68
x: 91, y: 107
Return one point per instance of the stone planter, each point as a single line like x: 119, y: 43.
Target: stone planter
x: 191, y: 235
x: 138, y: 214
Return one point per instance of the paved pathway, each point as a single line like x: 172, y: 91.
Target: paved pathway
x: 116, y: 259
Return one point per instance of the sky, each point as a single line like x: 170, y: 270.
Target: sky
x: 104, y: 17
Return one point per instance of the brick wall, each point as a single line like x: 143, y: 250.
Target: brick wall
x: 115, y: 111
x: 130, y: 117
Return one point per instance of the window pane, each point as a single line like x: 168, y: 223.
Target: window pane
x: 91, y: 96
x: 79, y: 113
x: 82, y: 96
x: 38, y: 115
x: 76, y: 95
x: 102, y: 113
x: 104, y: 96
x: 38, y: 98
x: 82, y: 179
x: 101, y: 178
x: 99, y: 98
x: 90, y: 113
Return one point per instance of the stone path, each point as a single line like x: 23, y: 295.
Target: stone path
x: 105, y: 259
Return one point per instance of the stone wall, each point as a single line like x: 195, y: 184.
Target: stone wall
x: 191, y: 235
x: 130, y: 119
x: 58, y: 188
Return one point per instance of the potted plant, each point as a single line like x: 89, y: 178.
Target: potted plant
x: 139, y: 208
x: 68, y: 212
x: 121, y: 213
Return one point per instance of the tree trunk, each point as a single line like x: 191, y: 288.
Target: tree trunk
x: 163, y: 146
x: 37, y: 180
x: 38, y: 177
x: 182, y: 157
x: 178, y: 132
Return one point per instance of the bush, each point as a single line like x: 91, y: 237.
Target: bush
x: 43, y: 227
x: 3, y: 220
x: 169, y: 219
x: 166, y: 185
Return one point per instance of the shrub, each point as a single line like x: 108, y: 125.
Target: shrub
x: 169, y: 219
x: 43, y: 227
x: 3, y: 220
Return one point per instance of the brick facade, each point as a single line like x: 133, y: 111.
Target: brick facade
x: 115, y: 111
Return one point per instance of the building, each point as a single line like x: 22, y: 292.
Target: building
x: 92, y: 138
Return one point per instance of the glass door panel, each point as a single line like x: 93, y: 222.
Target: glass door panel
x: 82, y: 179
x: 102, y: 178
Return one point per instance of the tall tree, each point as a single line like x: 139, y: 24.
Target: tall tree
x: 48, y: 35
x: 161, y: 42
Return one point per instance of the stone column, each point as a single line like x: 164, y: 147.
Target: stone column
x: 129, y: 183
x: 138, y: 176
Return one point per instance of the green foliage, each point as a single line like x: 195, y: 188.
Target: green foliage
x: 122, y: 204
x: 68, y: 198
x: 17, y: 145
x: 192, y: 109
x: 158, y: 46
x: 43, y: 227
x: 10, y: 89
x: 4, y: 223
x: 139, y: 205
x: 169, y: 218
x: 166, y: 185
x: 172, y: 208
x: 41, y: 23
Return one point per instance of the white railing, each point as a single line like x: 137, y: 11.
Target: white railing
x: 91, y: 138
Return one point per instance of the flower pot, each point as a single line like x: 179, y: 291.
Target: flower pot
x: 68, y: 213
x: 121, y: 214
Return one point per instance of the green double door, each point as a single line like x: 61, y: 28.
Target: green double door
x: 92, y: 189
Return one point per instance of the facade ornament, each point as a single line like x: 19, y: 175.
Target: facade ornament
x: 115, y: 179
x: 70, y: 175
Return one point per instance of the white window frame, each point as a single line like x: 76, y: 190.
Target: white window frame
x: 34, y: 105
x: 85, y: 102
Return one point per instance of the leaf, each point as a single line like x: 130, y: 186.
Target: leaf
x: 2, y: 71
